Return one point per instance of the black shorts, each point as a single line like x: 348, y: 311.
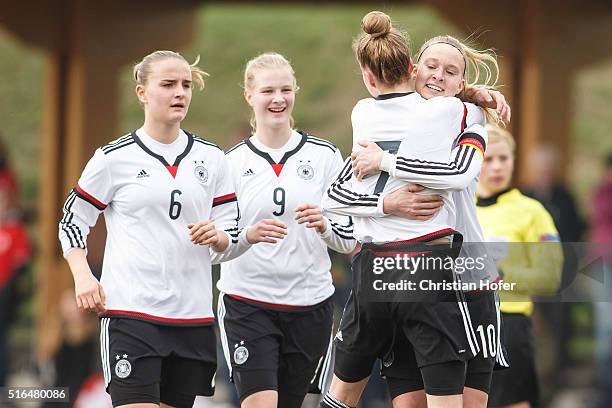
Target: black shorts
x: 519, y: 382
x: 438, y: 330
x: 400, y: 367
x: 275, y: 349
x: 145, y: 362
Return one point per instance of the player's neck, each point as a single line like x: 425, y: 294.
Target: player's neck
x: 162, y: 132
x: 403, y: 87
x: 274, y: 138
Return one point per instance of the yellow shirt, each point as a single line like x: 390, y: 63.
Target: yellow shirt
x: 535, y: 269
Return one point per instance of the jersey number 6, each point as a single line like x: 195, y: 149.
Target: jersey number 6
x: 175, y: 206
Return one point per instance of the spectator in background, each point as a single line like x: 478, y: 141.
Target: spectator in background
x: 601, y: 233
x: 75, y: 361
x: 601, y: 221
x: 7, y: 179
x: 15, y: 253
x: 546, y: 186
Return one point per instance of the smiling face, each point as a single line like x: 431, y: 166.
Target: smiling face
x: 167, y: 92
x: 439, y: 71
x: 271, y: 97
x: 497, y: 168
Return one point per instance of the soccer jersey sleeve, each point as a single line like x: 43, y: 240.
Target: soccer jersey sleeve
x: 340, y: 197
x: 463, y: 165
x: 542, y: 274
x: 225, y: 214
x: 339, y: 233
x: 85, y: 202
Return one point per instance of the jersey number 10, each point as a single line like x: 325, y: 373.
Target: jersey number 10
x: 489, y: 342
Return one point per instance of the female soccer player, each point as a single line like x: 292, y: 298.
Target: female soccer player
x: 275, y: 308
x: 441, y: 70
x: 438, y: 330
x: 155, y: 294
x: 533, y: 261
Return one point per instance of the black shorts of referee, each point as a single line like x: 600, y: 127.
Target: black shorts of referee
x: 519, y: 382
x: 275, y: 347
x: 402, y: 372
x: 434, y: 322
x: 145, y: 362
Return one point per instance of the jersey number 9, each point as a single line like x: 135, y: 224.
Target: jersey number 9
x: 279, y: 199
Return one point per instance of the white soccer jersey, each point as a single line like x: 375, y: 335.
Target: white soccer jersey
x: 151, y: 269
x: 428, y: 130
x: 474, y: 247
x: 296, y: 270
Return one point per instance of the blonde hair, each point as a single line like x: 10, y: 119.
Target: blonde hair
x: 142, y: 70
x: 498, y: 135
x: 481, y: 65
x: 267, y: 60
x: 383, y: 49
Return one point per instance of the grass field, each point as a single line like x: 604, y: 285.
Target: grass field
x: 317, y: 39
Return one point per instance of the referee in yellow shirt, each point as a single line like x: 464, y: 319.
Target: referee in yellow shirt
x: 516, y: 226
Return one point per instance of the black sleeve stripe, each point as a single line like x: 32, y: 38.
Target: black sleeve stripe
x: 68, y: 234
x: 72, y: 236
x: 342, y: 226
x: 318, y: 139
x: 422, y: 164
x: 346, y: 197
x: 205, y: 142
x: 338, y: 189
x: 342, y: 231
x: 413, y: 162
x: 74, y: 228
x: 112, y: 149
x: 425, y: 170
x: 201, y: 140
x: 347, y: 237
x: 73, y: 232
x: 321, y: 142
x: 339, y: 228
x: 78, y: 230
x: 234, y: 232
x: 235, y: 147
x: 117, y: 142
x: 460, y: 169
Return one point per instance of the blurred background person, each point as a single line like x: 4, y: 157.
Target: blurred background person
x: 8, y: 181
x: 601, y: 236
x: 509, y: 218
x: 545, y: 184
x: 15, y: 253
x: 75, y: 362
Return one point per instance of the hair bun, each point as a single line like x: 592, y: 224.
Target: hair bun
x: 376, y: 23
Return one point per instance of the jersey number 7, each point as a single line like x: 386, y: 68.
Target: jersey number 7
x: 391, y: 147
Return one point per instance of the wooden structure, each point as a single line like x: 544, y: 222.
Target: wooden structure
x: 543, y: 43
